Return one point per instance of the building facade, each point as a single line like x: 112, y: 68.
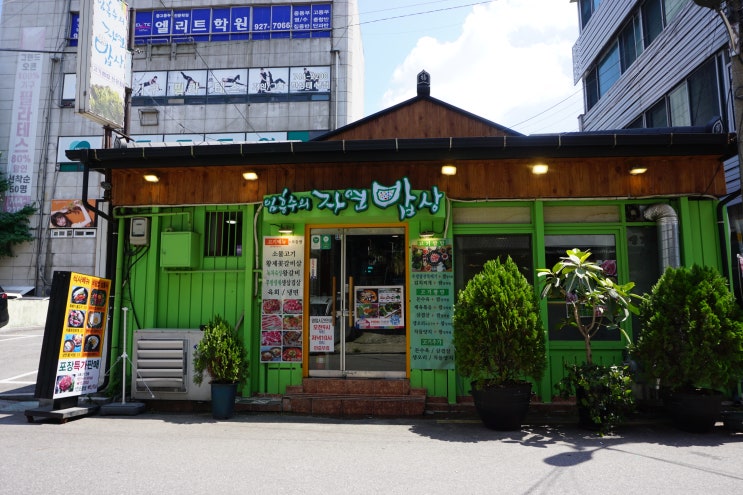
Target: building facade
x: 660, y: 63
x: 340, y: 258
x: 210, y: 71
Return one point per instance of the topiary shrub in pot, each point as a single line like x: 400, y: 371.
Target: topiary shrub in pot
x: 499, y: 341
x: 594, y: 300
x: 692, y: 341
x: 221, y: 355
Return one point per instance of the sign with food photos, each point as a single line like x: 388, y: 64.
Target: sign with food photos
x: 82, y: 342
x: 282, y: 304
x: 379, y: 307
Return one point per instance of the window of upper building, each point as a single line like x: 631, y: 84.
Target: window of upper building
x: 587, y: 8
x: 630, y: 42
x: 609, y: 69
x: 642, y: 27
x: 694, y: 101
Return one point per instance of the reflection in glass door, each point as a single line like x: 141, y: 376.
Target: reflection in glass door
x: 357, y: 302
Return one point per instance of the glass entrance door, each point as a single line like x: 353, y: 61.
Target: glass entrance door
x: 357, y: 302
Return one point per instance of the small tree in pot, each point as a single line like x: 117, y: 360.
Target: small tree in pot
x: 593, y: 299
x: 499, y: 340
x: 221, y: 355
x: 692, y: 340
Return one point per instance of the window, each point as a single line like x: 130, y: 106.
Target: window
x: 591, y: 84
x: 704, y: 100
x: 678, y: 104
x: 587, y: 8
x: 630, y: 42
x: 672, y: 8
x: 657, y: 116
x: 472, y: 251
x: 603, y: 251
x: 652, y: 20
x: 223, y: 232
x: 609, y: 70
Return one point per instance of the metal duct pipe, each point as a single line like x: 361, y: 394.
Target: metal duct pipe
x: 668, y: 234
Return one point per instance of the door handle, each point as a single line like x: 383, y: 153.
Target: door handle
x: 351, y: 301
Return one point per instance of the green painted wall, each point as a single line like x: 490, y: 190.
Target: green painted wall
x: 159, y: 297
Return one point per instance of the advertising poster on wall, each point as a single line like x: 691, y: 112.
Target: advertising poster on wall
x: 379, y: 307
x: 281, y: 308
x: 82, y: 342
x: 70, y: 214
x: 431, y: 300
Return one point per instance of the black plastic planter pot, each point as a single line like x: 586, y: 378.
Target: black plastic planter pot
x: 694, y: 411
x: 223, y: 400
x: 503, y: 408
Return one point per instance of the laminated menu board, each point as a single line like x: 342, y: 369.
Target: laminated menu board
x: 379, y: 307
x: 282, y: 304
x: 431, y: 303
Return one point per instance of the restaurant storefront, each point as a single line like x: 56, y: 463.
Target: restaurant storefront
x: 343, y: 259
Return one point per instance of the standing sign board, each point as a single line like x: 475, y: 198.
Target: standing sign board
x: 73, y: 359
x: 80, y: 349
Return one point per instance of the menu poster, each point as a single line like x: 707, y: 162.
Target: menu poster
x: 431, y: 300
x: 379, y: 307
x: 282, y: 304
x: 82, y: 342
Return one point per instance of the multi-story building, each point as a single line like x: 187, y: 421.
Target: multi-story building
x: 658, y: 63
x: 210, y: 70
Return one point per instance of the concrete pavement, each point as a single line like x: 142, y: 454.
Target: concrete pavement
x: 282, y: 454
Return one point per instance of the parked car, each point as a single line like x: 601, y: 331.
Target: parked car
x: 4, y: 317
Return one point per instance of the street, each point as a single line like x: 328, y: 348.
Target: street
x: 273, y: 453
x: 282, y: 453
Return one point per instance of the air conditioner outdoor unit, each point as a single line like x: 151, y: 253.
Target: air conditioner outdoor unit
x: 162, y: 365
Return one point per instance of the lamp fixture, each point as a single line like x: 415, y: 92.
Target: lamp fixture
x: 286, y: 229
x: 637, y: 170
x: 539, y: 169
x: 250, y: 175
x: 448, y: 170
x: 151, y: 177
x: 426, y: 234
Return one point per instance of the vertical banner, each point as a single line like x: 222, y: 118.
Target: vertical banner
x: 283, y: 290
x: 104, y: 63
x: 431, y: 301
x: 22, y: 137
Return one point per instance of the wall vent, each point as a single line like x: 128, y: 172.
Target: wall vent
x: 162, y: 365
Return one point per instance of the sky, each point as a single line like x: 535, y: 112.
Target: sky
x: 508, y: 61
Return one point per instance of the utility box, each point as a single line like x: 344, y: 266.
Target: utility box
x: 180, y: 249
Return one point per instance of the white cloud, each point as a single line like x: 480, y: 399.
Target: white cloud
x: 512, y: 61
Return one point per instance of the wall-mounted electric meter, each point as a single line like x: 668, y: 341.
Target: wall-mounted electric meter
x: 139, y: 231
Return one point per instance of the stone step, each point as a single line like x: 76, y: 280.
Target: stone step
x: 355, y: 405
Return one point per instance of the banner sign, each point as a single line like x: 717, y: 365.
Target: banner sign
x: 226, y: 24
x: 24, y: 119
x: 282, y: 303
x: 104, y: 63
x: 431, y: 301
x: 82, y: 342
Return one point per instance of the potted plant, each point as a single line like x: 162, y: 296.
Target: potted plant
x: 692, y: 341
x: 499, y: 340
x: 221, y: 355
x: 594, y: 300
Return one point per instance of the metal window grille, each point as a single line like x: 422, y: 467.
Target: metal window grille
x: 223, y: 233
